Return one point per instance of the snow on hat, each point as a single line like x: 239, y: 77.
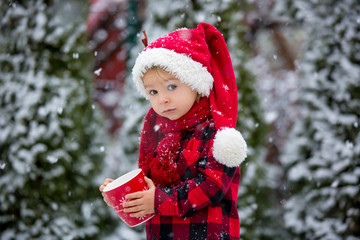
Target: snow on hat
x: 200, y: 58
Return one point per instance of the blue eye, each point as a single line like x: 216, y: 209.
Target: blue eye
x: 152, y: 92
x: 172, y: 87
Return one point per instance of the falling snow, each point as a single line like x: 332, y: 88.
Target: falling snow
x: 44, y: 109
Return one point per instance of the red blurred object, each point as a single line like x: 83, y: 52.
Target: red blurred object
x: 106, y: 26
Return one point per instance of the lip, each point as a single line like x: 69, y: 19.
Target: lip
x: 168, y: 110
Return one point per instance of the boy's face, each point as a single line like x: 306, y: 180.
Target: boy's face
x: 168, y: 96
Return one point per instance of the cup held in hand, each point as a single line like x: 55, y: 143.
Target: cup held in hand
x: 117, y: 190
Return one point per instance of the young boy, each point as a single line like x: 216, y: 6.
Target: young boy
x: 190, y: 150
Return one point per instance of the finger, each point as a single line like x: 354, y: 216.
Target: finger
x: 132, y: 203
x: 139, y: 213
x: 107, y: 202
x: 105, y: 199
x: 134, y: 195
x: 149, y: 182
x: 108, y: 180
x: 134, y: 209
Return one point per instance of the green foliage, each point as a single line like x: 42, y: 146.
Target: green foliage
x: 51, y: 138
x: 322, y: 158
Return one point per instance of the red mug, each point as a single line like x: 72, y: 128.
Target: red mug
x: 116, y: 190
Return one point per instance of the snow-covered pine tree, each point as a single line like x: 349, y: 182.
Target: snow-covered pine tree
x: 322, y: 157
x: 257, y: 202
x: 51, y: 139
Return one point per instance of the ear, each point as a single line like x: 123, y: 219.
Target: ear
x: 229, y: 147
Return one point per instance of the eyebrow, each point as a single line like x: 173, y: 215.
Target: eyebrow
x: 165, y: 80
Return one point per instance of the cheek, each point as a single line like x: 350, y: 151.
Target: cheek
x: 192, y: 97
x: 189, y: 102
x: 153, y: 103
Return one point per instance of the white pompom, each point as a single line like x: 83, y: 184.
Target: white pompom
x: 229, y: 147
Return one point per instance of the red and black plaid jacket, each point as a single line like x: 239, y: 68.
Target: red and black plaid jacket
x: 203, y: 204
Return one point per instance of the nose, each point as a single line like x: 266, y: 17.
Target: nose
x: 164, y: 99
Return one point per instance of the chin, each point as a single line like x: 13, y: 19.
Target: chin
x: 172, y: 118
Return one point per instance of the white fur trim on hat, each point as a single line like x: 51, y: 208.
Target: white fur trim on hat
x: 229, y: 147
x: 188, y: 71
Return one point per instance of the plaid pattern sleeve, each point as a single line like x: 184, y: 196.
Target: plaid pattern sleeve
x: 203, y: 204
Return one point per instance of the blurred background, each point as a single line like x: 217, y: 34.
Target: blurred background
x: 70, y: 115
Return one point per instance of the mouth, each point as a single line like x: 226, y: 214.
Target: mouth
x: 168, y: 110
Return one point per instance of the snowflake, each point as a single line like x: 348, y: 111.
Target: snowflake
x: 119, y: 208
x: 128, y: 189
x: 156, y: 128
x: 122, y: 201
x: 141, y: 217
x: 219, y: 113
x: 97, y: 71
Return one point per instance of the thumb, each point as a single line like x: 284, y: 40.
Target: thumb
x: 149, y: 182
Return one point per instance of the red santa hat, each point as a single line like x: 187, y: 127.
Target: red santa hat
x: 200, y: 58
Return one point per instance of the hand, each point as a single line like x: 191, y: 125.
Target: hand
x: 101, y: 188
x: 141, y: 203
